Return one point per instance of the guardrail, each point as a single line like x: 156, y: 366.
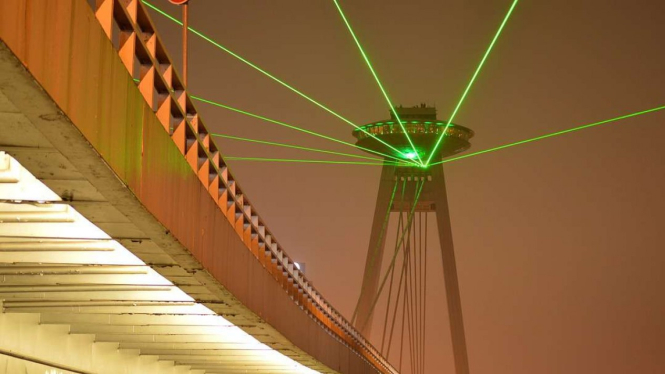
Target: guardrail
x: 128, y: 26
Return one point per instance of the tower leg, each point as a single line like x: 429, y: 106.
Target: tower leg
x: 450, y: 271
x: 363, y: 314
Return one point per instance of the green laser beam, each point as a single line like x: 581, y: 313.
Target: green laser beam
x: 295, y: 147
x: 295, y: 160
x: 292, y: 127
x: 550, y: 135
x: 376, y: 77
x: 267, y: 74
x: 473, y: 78
x: 562, y: 132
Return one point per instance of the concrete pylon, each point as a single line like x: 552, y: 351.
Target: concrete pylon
x: 433, y: 199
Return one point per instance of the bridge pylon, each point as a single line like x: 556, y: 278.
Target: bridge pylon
x: 411, y: 193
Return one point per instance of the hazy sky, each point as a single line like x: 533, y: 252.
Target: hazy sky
x: 560, y: 244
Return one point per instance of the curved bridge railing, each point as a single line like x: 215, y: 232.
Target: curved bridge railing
x: 128, y: 26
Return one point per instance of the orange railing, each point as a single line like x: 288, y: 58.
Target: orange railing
x: 128, y: 26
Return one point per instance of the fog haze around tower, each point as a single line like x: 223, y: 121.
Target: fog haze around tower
x: 559, y: 243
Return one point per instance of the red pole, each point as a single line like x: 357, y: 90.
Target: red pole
x: 185, y: 26
x: 185, y: 23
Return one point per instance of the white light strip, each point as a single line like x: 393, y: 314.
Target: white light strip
x: 53, y: 228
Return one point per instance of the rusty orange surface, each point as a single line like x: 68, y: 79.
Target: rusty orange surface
x: 151, y: 136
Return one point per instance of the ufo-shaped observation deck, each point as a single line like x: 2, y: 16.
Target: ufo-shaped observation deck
x: 424, y: 130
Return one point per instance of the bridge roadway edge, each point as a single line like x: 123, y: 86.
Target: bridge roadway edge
x: 126, y: 156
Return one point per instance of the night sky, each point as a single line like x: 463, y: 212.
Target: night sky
x: 560, y: 243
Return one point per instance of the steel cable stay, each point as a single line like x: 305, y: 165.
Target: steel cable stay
x: 408, y: 241
x: 375, y: 299
x: 412, y: 282
x: 424, y: 310
x: 407, y: 298
x: 410, y: 299
x: 417, y: 254
x: 392, y: 274
x: 417, y: 283
x: 406, y: 276
x: 404, y: 302
x: 419, y: 286
x: 405, y: 269
x: 397, y: 300
x: 401, y: 343
x: 372, y: 263
x: 399, y: 291
x: 423, y: 271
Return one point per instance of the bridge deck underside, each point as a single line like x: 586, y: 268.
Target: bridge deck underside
x: 56, y: 263
x: 102, y: 275
x: 77, y: 121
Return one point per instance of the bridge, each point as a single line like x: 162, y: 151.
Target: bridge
x: 126, y: 245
